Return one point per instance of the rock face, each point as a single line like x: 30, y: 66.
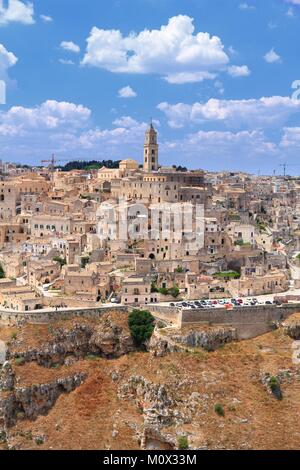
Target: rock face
x: 292, y: 330
x: 210, y: 340
x: 29, y: 402
x: 160, y: 409
x: 104, y: 339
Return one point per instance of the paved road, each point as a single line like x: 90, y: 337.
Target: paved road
x: 261, y: 298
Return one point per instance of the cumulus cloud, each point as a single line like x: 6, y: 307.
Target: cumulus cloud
x: 16, y: 11
x: 272, y: 57
x: 46, y: 18
x: 70, y: 46
x: 239, y: 71
x: 50, y: 115
x: 243, y: 150
x: 263, y: 112
x: 175, y: 52
x: 127, y: 92
x: 67, y: 129
x: 291, y: 138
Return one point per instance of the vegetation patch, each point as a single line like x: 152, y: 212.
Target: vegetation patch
x: 219, y: 410
x: 183, y: 443
x: 141, y: 325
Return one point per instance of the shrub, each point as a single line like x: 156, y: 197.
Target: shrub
x: 60, y: 260
x: 154, y: 287
x: 84, y: 261
x: 174, y: 292
x: 179, y: 270
x: 20, y: 361
x: 183, y: 443
x: 275, y: 387
x: 91, y: 357
x: 227, y: 275
x: 141, y: 325
x: 2, y: 273
x: 219, y: 409
x: 14, y: 335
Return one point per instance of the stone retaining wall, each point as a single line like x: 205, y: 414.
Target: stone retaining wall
x: 9, y: 317
x: 249, y: 321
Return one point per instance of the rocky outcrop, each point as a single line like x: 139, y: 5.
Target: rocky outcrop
x: 104, y: 339
x: 209, y: 340
x: 166, y: 342
x: 18, y: 402
x: 160, y: 409
x: 292, y: 329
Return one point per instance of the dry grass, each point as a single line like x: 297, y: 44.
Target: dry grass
x: 86, y: 418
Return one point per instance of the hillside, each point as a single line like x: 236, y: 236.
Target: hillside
x: 127, y: 399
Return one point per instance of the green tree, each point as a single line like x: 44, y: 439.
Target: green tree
x: 141, y: 325
x: 60, y: 260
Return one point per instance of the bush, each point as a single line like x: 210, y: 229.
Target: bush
x: 275, y: 387
x: 61, y: 261
x: 183, y: 443
x: 14, y: 335
x: 179, y: 270
x: 227, y: 275
x: 84, y: 261
x: 20, y: 361
x: 2, y: 273
x: 174, y: 292
x: 141, y: 325
x: 219, y: 410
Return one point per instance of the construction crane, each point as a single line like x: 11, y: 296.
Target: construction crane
x: 285, y: 166
x: 54, y: 161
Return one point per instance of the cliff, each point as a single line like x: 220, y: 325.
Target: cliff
x: 82, y: 385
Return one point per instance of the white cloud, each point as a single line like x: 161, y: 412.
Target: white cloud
x: 189, y: 77
x: 272, y: 25
x: 246, y: 6
x: 222, y: 150
x: 174, y: 51
x: 70, y: 46
x: 50, y: 115
x: 16, y: 12
x: 291, y: 138
x: 239, y: 71
x: 127, y: 92
x: 290, y: 13
x: 46, y: 18
x: 264, y: 112
x: 28, y: 134
x: 7, y: 60
x: 66, y: 62
x: 272, y: 57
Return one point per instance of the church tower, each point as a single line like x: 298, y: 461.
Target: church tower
x: 151, y: 150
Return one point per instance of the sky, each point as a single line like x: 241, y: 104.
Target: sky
x: 220, y: 79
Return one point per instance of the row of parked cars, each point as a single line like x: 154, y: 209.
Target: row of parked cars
x: 251, y: 302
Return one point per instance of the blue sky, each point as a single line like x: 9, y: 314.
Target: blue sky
x: 84, y: 77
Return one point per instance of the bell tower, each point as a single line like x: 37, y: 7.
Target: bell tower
x: 151, y: 150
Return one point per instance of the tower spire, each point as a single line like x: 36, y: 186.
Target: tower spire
x: 151, y: 149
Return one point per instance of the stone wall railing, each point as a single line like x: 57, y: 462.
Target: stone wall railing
x: 11, y: 317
